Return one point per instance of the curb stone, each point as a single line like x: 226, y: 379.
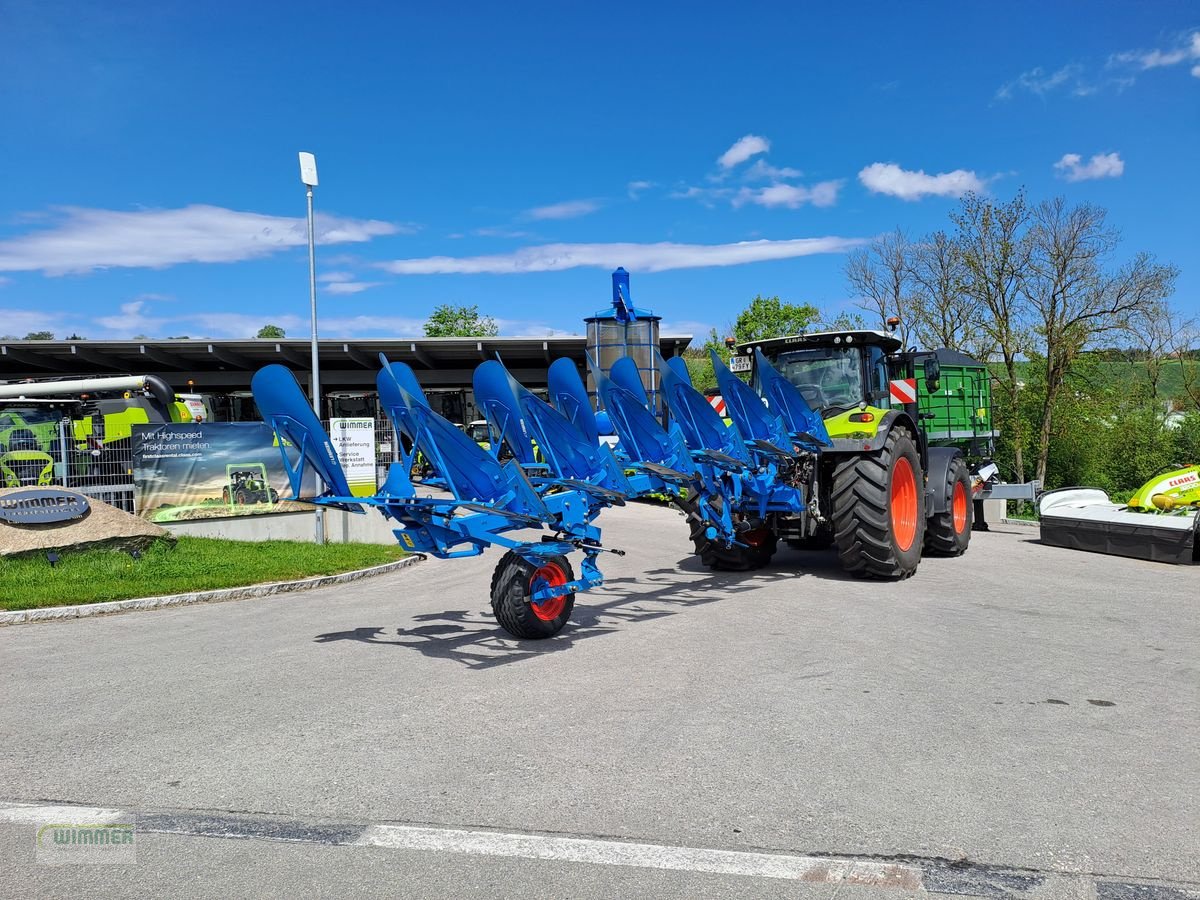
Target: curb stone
x: 246, y: 592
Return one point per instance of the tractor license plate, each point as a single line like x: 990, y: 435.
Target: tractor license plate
x: 739, y: 364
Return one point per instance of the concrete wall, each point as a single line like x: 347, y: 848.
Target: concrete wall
x: 344, y: 528
x: 340, y: 528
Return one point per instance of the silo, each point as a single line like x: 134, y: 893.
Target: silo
x: 625, y: 330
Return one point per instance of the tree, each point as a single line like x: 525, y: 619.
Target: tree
x: 40, y: 336
x: 992, y: 242
x: 1075, y: 301
x: 449, y: 320
x: 880, y: 274
x: 769, y: 317
x: 944, y: 315
x: 271, y: 331
x: 76, y: 337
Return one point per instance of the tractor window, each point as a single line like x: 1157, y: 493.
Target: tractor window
x: 877, y: 376
x: 826, y: 376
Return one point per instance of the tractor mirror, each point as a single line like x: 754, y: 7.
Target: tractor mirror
x: 933, y: 374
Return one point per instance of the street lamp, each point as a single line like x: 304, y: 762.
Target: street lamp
x: 308, y: 176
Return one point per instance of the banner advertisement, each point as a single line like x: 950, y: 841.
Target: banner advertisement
x: 204, y: 471
x: 354, y: 441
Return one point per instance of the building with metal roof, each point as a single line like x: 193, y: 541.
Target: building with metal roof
x: 222, y: 368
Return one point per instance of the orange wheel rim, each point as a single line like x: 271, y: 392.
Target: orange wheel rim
x: 959, y: 508
x: 549, y: 575
x: 904, y: 503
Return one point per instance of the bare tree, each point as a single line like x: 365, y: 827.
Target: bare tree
x: 1163, y: 336
x: 880, y: 274
x: 1075, y: 300
x: 945, y: 315
x: 992, y: 241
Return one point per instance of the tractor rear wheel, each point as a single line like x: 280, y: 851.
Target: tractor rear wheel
x: 948, y: 533
x: 514, y: 582
x: 759, y: 539
x: 879, y: 509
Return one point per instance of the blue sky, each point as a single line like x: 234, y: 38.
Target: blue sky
x: 510, y: 155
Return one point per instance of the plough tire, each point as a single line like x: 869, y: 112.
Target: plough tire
x: 879, y: 510
x: 948, y: 533
x: 762, y: 543
x: 515, y: 580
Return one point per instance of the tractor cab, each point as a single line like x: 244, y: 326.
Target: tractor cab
x: 834, y: 370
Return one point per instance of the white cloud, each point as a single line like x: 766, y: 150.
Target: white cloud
x: 823, y: 193
x: 764, y: 170
x: 1040, y: 82
x: 1119, y: 72
x: 637, y: 188
x: 685, y: 326
x: 889, y: 178
x: 569, y: 209
x: 349, y: 287
x: 1185, y: 50
x: 87, y: 239
x: 343, y: 283
x: 659, y: 257
x: 500, y: 231
x: 372, y: 326
x: 133, y: 318
x: 19, y: 322
x: 743, y: 148
x: 1102, y: 165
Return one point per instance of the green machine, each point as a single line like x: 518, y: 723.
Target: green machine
x: 958, y: 411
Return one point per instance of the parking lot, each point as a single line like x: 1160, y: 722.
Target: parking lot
x: 1023, y: 721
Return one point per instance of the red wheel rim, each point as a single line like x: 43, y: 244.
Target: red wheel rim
x: 549, y: 575
x: 755, y: 538
x: 904, y: 503
x: 959, y: 508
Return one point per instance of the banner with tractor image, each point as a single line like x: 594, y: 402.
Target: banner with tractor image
x: 204, y: 471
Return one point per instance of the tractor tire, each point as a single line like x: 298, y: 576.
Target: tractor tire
x: 240, y: 498
x: 879, y: 510
x: 761, y: 540
x: 514, y: 580
x: 948, y: 533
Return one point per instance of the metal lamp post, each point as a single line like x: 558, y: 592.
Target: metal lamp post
x: 308, y: 176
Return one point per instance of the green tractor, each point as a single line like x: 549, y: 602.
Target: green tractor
x: 246, y: 485
x: 884, y: 493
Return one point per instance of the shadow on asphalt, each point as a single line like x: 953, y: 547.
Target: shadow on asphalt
x: 473, y: 639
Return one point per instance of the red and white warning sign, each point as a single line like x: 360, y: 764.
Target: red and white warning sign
x: 717, y: 402
x: 904, y: 390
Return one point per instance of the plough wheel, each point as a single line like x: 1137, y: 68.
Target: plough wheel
x: 879, y: 510
x: 761, y: 542
x: 949, y: 532
x: 515, y: 580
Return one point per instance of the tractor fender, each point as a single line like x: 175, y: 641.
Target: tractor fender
x: 875, y: 442
x: 936, y: 471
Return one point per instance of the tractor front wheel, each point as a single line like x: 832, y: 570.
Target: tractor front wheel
x: 513, y: 584
x: 879, y: 510
x: 948, y: 533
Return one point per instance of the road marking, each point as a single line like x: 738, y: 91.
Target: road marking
x: 649, y: 856
x: 33, y: 814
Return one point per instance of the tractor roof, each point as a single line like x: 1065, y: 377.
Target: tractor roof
x: 889, y: 342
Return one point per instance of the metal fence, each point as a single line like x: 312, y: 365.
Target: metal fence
x: 70, y: 456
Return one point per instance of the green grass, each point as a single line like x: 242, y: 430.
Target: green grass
x: 194, y: 564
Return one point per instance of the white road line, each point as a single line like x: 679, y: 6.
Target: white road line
x: 34, y: 814
x: 649, y: 856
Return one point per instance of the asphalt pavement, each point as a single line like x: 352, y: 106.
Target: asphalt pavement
x: 1022, y: 721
